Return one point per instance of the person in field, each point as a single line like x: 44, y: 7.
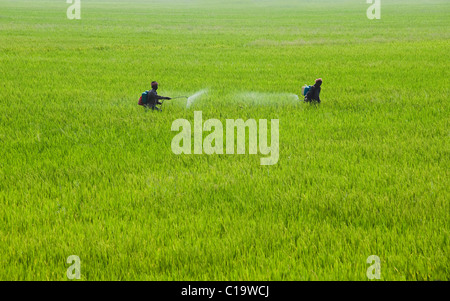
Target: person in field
x: 314, y: 92
x: 153, y: 98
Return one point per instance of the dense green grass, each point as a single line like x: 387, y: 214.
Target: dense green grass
x: 85, y: 171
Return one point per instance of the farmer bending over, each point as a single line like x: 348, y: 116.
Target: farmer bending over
x: 314, y: 92
x: 153, y: 98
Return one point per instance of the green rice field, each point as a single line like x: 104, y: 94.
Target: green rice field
x: 85, y: 171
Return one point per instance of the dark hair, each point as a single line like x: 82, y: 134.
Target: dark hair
x: 154, y: 84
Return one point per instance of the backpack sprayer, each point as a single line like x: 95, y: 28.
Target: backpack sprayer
x: 305, y: 89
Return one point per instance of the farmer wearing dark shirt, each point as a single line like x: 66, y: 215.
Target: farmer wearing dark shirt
x: 153, y: 98
x: 314, y: 92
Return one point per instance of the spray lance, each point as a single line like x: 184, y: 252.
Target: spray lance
x: 172, y: 98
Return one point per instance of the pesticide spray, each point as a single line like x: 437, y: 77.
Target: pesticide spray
x: 194, y: 97
x: 190, y: 99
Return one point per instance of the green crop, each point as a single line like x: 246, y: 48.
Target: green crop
x: 86, y: 171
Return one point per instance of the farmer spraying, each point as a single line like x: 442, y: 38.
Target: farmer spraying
x: 313, y: 93
x: 151, y: 98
